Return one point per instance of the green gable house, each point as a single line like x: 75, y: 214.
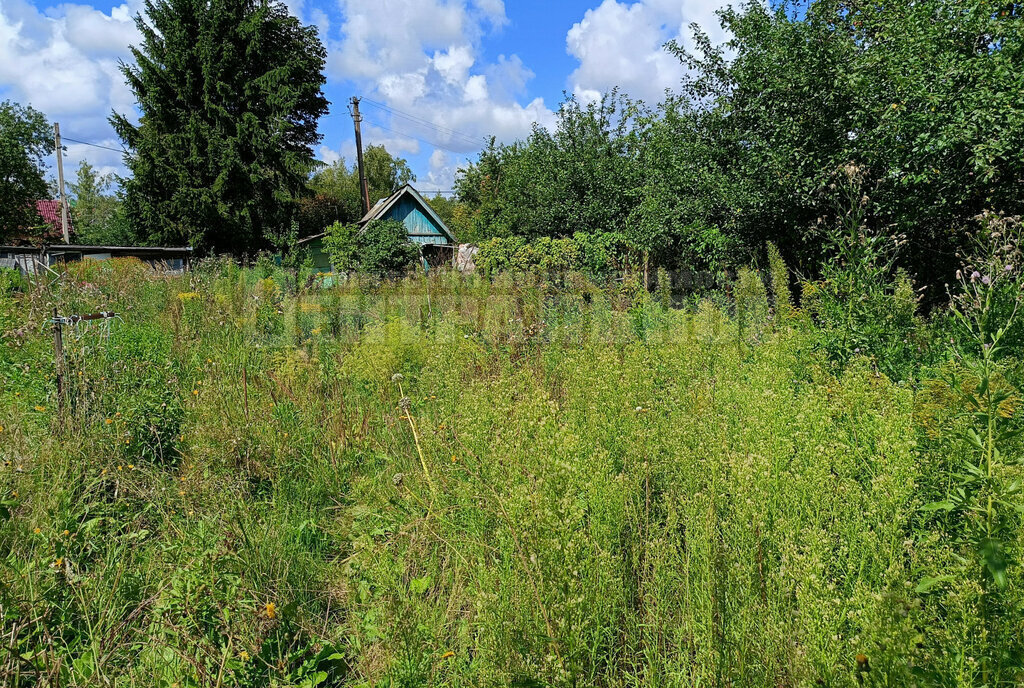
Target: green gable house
x: 424, y: 227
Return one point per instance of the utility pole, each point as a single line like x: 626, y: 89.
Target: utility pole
x: 363, y: 186
x: 60, y: 180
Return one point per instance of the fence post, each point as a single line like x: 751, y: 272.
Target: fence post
x: 58, y: 360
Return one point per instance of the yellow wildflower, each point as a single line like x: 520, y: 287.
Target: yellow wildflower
x: 58, y: 563
x: 37, y: 531
x: 66, y: 532
x: 1, y: 428
x: 109, y: 421
x: 40, y: 408
x: 244, y: 656
x: 131, y: 465
x: 447, y: 654
x: 195, y: 392
x: 271, y: 610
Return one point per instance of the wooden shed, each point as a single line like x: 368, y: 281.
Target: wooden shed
x: 422, y: 224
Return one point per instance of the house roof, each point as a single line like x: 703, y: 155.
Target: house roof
x: 49, y: 210
x: 384, y: 205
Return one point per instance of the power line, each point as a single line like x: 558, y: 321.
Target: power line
x: 427, y: 123
x: 417, y: 138
x: 95, y: 145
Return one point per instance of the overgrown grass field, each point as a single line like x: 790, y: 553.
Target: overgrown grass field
x: 475, y: 481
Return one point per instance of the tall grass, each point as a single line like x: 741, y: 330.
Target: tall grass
x: 456, y: 481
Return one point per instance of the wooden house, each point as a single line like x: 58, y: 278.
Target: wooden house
x: 423, y: 226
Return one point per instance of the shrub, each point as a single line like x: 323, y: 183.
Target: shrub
x: 591, y: 254
x: 380, y: 248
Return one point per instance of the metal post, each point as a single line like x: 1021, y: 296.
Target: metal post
x: 58, y: 360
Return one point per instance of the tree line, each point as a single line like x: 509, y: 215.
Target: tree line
x: 923, y: 99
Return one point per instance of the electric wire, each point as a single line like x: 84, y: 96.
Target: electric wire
x: 94, y: 145
x: 469, y: 138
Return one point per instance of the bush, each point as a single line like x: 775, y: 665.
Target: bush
x: 592, y: 254
x: 381, y: 248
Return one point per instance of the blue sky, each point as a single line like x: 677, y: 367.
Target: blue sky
x: 464, y: 69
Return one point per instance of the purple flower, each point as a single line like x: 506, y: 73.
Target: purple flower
x: 857, y: 350
x: 975, y: 275
x: 986, y: 280
x: 1008, y: 268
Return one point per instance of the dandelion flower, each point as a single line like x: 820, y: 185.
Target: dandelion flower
x: 120, y: 468
x: 37, y: 531
x: 195, y: 392
x: 244, y: 656
x: 40, y: 408
x: 66, y: 532
x: 131, y: 465
x: 58, y: 563
x: 271, y: 610
x: 1, y: 428
x: 109, y: 421
x: 447, y: 654
x: 455, y: 459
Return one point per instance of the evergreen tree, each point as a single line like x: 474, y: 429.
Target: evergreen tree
x: 230, y: 93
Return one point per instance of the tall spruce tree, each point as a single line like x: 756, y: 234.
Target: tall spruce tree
x: 229, y: 93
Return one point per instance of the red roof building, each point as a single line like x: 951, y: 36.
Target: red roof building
x: 50, y: 212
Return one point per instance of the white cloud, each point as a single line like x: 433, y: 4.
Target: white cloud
x: 64, y: 62
x: 422, y: 58
x: 329, y: 155
x: 441, y: 172
x: 621, y: 44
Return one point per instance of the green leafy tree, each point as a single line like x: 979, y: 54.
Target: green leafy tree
x: 25, y: 141
x: 97, y: 213
x: 385, y: 173
x: 335, y: 194
x: 921, y: 95
x: 581, y: 177
x: 230, y: 94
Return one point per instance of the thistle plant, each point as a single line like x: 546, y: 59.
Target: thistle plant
x: 986, y: 491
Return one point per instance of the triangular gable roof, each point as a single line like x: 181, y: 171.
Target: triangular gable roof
x: 383, y: 206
